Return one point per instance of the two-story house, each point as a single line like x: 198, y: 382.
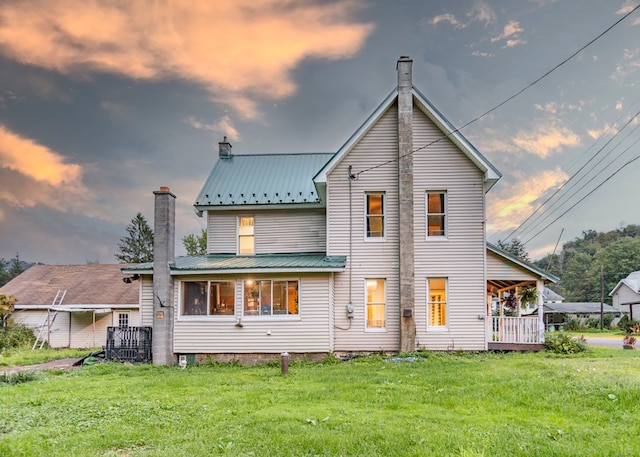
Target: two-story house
x: 379, y: 246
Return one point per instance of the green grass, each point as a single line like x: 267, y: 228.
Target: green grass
x: 25, y: 356
x: 442, y: 405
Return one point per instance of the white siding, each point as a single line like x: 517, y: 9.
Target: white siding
x: 275, y: 231
x: 308, y: 333
x: 59, y: 337
x: 367, y: 259
x: 461, y: 256
x: 500, y: 269
x: 146, y: 301
x: 623, y: 296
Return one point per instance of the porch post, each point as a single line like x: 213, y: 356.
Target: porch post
x: 540, y: 291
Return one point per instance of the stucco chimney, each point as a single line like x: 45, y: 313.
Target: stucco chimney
x: 405, y: 206
x: 224, y: 149
x: 163, y: 252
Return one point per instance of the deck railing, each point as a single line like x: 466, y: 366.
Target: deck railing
x: 524, y: 330
x: 132, y: 344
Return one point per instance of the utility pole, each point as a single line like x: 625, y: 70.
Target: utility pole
x: 601, y: 297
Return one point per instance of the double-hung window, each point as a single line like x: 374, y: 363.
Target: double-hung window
x: 376, y: 304
x: 436, y: 214
x: 375, y: 212
x: 266, y: 297
x: 246, y: 240
x: 437, y: 303
x: 208, y: 298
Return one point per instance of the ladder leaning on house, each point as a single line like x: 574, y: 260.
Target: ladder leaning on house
x: 52, y: 312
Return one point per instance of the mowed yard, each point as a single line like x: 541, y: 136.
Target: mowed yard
x: 435, y: 405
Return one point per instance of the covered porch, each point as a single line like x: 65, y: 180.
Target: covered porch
x: 513, y: 286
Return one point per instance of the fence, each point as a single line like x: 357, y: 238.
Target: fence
x: 131, y: 344
x: 516, y: 329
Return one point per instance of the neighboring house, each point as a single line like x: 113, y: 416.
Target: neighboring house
x: 379, y: 246
x: 90, y: 298
x: 549, y: 296
x: 556, y: 314
x: 626, y: 295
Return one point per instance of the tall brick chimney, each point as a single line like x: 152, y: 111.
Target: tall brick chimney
x: 164, y: 235
x: 405, y: 207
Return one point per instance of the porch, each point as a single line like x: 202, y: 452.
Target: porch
x: 516, y: 333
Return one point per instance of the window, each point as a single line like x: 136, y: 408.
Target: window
x: 437, y: 302
x: 375, y: 215
x: 375, y: 303
x: 436, y: 214
x: 208, y: 298
x: 123, y: 319
x: 246, y: 243
x: 267, y: 297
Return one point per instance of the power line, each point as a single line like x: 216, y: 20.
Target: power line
x: 508, y: 99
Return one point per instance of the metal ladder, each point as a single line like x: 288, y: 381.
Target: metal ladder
x: 45, y: 328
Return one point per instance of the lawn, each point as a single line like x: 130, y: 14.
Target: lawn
x: 436, y: 405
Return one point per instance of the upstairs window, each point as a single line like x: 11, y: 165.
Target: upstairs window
x: 376, y: 303
x: 375, y: 208
x: 246, y: 242
x: 437, y: 302
x: 436, y: 214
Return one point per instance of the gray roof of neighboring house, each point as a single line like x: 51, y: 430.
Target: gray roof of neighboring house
x: 91, y: 285
x: 577, y: 308
x: 550, y: 295
x: 267, y: 263
x: 632, y: 282
x: 262, y: 179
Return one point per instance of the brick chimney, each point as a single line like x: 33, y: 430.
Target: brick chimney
x: 224, y: 149
x: 164, y: 234
x: 405, y: 206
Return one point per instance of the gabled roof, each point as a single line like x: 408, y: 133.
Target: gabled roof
x: 491, y: 174
x: 522, y: 264
x: 550, y: 295
x: 93, y: 286
x: 261, y: 263
x: 255, y: 180
x: 632, y: 282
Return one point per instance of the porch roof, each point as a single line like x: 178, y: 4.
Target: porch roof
x: 522, y: 265
x: 261, y: 263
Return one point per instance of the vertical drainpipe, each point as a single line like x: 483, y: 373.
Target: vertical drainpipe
x: 163, y: 253
x: 405, y: 206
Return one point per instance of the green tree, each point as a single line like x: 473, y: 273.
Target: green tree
x: 137, y: 246
x: 196, y: 244
x: 6, y: 308
x: 514, y: 247
x: 580, y: 279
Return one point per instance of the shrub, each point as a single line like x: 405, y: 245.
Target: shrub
x: 628, y: 326
x: 16, y: 336
x: 18, y: 378
x: 573, y: 323
x: 563, y: 344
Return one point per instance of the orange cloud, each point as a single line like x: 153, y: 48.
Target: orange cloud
x: 246, y: 47
x: 513, y: 204
x: 224, y: 127
x: 546, y: 139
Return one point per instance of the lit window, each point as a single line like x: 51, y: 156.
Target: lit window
x: 436, y: 214
x: 208, y: 298
x: 375, y: 303
x: 246, y: 244
x: 437, y: 304
x: 269, y: 298
x: 375, y: 215
x: 123, y: 319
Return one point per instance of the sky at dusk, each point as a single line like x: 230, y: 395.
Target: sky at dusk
x: 101, y: 103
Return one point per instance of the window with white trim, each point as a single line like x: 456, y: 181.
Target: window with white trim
x: 208, y: 298
x: 267, y: 297
x: 376, y: 303
x: 246, y: 240
x: 123, y: 319
x: 437, y: 302
x: 436, y: 214
x: 375, y: 209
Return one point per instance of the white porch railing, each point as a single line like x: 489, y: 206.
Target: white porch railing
x: 516, y: 330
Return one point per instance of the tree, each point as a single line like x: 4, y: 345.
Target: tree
x: 196, y: 244
x: 6, y: 308
x: 514, y: 247
x: 137, y: 246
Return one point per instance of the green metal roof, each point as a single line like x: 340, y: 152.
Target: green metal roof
x: 265, y: 263
x: 262, y: 179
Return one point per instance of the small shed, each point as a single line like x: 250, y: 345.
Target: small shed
x: 71, y: 306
